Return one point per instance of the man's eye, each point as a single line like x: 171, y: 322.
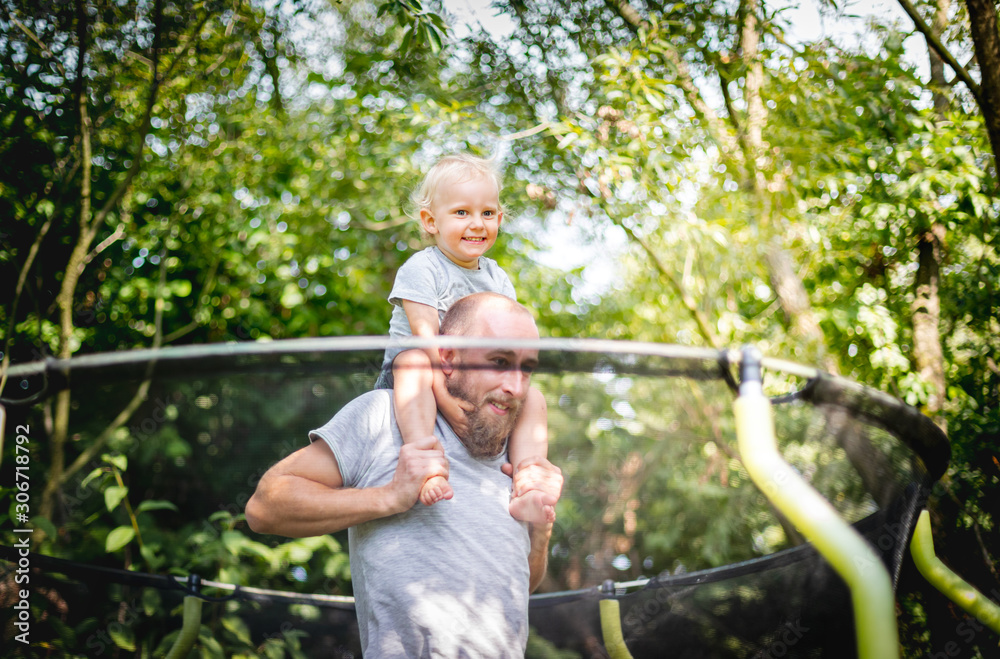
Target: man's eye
x: 528, y: 370
x: 501, y: 362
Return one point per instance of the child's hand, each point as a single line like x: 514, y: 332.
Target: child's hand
x: 454, y: 411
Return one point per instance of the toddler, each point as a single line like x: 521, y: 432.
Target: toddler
x: 459, y: 205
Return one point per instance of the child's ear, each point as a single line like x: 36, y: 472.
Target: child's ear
x: 427, y: 221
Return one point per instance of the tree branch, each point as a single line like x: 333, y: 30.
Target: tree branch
x: 704, y: 327
x: 525, y: 133
x: 45, y: 49
x: 137, y: 399
x: 939, y: 48
x: 206, y: 291
x: 21, y: 279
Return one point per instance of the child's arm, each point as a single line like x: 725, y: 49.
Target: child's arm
x: 424, y: 322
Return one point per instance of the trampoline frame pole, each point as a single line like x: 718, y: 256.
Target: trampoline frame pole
x: 837, y: 541
x: 950, y: 584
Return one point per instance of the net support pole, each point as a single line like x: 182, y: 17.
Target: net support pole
x: 611, y: 630
x: 837, y: 541
x: 189, y: 628
x: 950, y: 584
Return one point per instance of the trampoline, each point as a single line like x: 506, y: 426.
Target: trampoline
x: 671, y: 539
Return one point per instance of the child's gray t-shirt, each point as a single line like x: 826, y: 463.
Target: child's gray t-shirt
x: 448, y: 580
x: 429, y: 277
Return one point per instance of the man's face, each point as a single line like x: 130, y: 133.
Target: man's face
x: 496, y: 382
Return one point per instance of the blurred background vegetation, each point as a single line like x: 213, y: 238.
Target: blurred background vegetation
x: 694, y: 173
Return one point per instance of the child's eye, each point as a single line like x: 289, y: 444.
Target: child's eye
x: 461, y: 213
x: 489, y: 213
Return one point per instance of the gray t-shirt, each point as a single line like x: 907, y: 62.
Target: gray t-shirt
x: 448, y: 580
x: 429, y: 277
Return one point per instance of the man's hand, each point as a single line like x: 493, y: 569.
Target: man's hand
x: 418, y: 461
x: 536, y: 473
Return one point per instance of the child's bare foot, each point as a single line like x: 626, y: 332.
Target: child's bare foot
x: 532, y: 507
x: 434, y: 489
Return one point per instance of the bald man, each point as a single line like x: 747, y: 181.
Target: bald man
x: 448, y: 580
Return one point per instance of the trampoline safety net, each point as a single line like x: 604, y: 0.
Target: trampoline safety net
x: 658, y: 511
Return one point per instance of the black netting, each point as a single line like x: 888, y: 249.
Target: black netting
x: 656, y: 497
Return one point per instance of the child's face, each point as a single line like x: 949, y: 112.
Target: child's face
x: 464, y: 218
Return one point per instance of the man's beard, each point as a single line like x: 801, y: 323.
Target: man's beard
x: 488, y: 432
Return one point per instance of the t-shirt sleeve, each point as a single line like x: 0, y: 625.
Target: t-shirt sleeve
x: 506, y: 288
x: 416, y: 280
x: 354, y: 432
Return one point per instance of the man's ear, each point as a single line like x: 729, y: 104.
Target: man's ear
x: 447, y: 360
x: 427, y: 221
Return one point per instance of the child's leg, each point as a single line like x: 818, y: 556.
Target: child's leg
x: 531, y: 438
x: 416, y: 411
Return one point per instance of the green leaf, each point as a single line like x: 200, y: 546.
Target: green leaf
x: 91, y: 476
x: 114, y: 495
x: 238, y: 628
x: 149, y: 553
x: 123, y: 637
x: 569, y: 139
x: 118, y: 538
x: 119, y: 461
x: 407, y: 39
x: 45, y: 525
x: 155, y: 504
x: 180, y: 288
x: 45, y: 207
x: 654, y: 100
x: 432, y: 37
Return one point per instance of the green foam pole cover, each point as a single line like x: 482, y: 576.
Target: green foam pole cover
x: 189, y: 630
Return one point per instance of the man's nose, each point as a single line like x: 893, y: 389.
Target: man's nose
x: 515, y: 382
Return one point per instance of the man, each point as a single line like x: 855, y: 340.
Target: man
x: 446, y: 580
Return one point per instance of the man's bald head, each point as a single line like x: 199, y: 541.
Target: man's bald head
x: 460, y: 319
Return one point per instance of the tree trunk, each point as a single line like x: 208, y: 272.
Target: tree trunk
x: 928, y: 356
x: 986, y: 41
x: 753, y: 128
x: 785, y: 279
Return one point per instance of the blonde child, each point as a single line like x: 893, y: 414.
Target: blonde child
x: 459, y: 205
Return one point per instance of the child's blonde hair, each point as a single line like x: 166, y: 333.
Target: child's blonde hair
x: 455, y: 167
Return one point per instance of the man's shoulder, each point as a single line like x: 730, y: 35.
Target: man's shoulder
x: 375, y: 402
x: 371, y: 412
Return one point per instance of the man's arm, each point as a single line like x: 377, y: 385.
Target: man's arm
x: 537, y: 473
x: 304, y: 495
x: 538, y: 556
